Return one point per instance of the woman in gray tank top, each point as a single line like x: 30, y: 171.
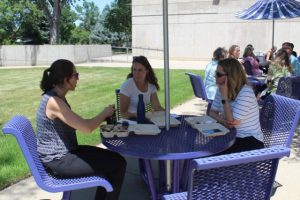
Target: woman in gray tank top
x: 56, y: 126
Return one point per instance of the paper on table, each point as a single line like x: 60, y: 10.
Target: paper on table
x: 144, y: 129
x: 214, y: 129
x: 192, y: 121
x: 158, y: 118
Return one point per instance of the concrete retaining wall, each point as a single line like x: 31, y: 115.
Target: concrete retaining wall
x: 32, y: 55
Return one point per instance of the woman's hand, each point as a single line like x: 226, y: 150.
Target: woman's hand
x: 229, y: 124
x: 109, y: 110
x: 224, y: 89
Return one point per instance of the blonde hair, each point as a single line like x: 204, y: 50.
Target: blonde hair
x: 236, y: 76
x: 231, y: 50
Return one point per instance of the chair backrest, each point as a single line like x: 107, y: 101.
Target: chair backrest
x: 248, y: 68
x: 245, y: 175
x: 279, y: 117
x: 198, y: 85
x: 148, y: 107
x: 21, y: 128
x: 289, y: 87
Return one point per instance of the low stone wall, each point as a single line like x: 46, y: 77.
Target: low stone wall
x: 33, y: 55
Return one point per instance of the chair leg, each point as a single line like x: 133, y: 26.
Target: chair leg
x: 66, y: 195
x: 185, y: 174
x: 176, y: 176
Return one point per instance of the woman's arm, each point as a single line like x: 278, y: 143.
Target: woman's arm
x: 124, y: 105
x: 155, y: 102
x: 57, y: 108
x: 268, y: 56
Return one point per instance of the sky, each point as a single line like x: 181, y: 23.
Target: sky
x: 100, y: 3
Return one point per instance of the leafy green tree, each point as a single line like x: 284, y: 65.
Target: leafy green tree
x: 118, y: 20
x: 67, y: 24
x: 22, y: 21
x: 88, y: 15
x: 52, y: 10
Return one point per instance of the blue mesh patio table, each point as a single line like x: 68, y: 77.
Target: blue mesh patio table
x: 176, y: 144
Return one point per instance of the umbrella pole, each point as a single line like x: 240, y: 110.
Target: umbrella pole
x: 273, y: 28
x: 166, y: 62
x: 166, y: 75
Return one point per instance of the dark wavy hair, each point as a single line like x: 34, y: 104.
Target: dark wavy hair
x: 220, y: 53
x: 55, y: 74
x: 151, y: 77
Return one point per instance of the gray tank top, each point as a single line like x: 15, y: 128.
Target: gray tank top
x: 54, y: 138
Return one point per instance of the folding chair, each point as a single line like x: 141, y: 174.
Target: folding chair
x: 199, y: 88
x: 247, y: 175
x: 21, y: 128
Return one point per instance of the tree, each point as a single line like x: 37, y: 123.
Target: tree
x: 67, y: 25
x: 53, y: 10
x: 118, y: 20
x: 88, y: 14
x: 22, y: 21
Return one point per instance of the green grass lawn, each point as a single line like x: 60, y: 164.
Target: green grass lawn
x: 20, y: 94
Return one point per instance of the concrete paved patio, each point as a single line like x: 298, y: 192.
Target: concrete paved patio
x: 288, y: 174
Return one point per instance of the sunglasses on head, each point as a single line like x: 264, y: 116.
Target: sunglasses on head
x: 219, y: 74
x: 76, y: 75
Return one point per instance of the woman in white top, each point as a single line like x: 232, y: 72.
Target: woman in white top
x: 141, y: 80
x: 235, y: 106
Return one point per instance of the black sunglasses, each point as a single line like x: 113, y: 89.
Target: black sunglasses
x: 219, y: 74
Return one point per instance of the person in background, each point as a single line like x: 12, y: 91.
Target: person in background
x: 250, y: 46
x: 235, y: 106
x: 293, y: 60
x: 294, y: 52
x: 234, y: 52
x: 280, y: 67
x: 210, y: 80
x: 248, y: 56
x: 57, y: 144
x: 270, y: 55
x: 141, y: 80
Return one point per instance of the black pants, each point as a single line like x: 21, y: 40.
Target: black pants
x: 244, y: 144
x: 90, y: 161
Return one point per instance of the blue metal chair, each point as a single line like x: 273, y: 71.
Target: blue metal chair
x: 21, y: 128
x: 199, y: 88
x: 279, y: 118
x: 246, y: 175
x: 289, y: 87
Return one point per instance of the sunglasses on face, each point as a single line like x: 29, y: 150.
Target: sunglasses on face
x: 76, y: 75
x: 219, y: 74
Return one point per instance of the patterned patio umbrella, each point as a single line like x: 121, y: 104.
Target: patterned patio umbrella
x: 271, y: 9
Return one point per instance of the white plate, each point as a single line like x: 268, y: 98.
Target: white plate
x: 144, y: 129
x: 214, y: 129
x: 205, y: 119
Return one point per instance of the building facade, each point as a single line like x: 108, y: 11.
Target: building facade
x: 198, y: 27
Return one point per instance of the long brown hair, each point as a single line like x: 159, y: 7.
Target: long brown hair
x: 236, y: 76
x: 151, y: 77
x: 282, y: 60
